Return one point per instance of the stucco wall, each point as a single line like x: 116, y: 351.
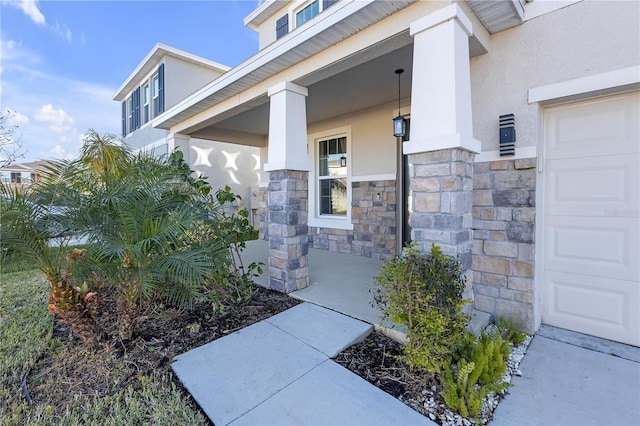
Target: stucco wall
x: 373, y: 144
x: 184, y: 78
x: 583, y: 39
x: 227, y: 164
x: 144, y: 136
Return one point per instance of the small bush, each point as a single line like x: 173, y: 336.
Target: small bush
x: 424, y: 291
x: 510, y: 331
x: 479, y: 371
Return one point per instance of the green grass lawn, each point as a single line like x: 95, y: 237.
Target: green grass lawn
x: 26, y: 337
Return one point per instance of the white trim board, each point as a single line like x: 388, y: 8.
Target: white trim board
x: 625, y: 78
x: 369, y: 178
x: 521, y: 153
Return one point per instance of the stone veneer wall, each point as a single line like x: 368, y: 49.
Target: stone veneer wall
x: 373, y: 214
x: 262, y: 223
x: 503, y: 239
x: 374, y: 222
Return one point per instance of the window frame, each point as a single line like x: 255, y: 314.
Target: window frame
x: 325, y: 220
x: 155, y: 93
x: 305, y: 7
x: 146, y: 102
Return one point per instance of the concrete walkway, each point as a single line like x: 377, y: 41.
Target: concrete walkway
x: 279, y: 372
x: 564, y: 384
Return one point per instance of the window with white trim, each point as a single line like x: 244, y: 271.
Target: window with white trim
x: 155, y: 93
x: 332, y: 177
x: 145, y: 103
x: 307, y: 13
x: 130, y: 126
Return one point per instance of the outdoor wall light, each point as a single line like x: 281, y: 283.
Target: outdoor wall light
x: 507, y: 135
x: 343, y: 161
x: 399, y: 123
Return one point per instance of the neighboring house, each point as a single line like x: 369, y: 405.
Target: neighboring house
x: 21, y: 174
x: 547, y: 234
x: 164, y: 78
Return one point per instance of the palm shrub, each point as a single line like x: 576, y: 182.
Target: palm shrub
x: 30, y: 230
x: 424, y: 292
x: 138, y: 218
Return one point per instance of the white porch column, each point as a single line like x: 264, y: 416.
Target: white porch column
x: 287, y: 128
x: 441, y: 86
x: 441, y: 146
x: 182, y: 142
x: 288, y: 166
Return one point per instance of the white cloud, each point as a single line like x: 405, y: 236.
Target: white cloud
x: 16, y: 119
x: 30, y: 8
x: 59, y: 108
x: 61, y: 153
x: 62, y: 31
x: 60, y: 121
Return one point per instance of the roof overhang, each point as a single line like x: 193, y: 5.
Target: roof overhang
x: 264, y: 11
x: 498, y: 15
x: 151, y: 61
x: 341, y: 21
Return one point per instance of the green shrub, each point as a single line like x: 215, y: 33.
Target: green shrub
x: 424, y: 291
x: 510, y: 331
x: 479, y: 371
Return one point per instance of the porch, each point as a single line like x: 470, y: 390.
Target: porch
x: 342, y: 283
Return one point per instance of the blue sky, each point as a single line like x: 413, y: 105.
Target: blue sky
x: 62, y: 61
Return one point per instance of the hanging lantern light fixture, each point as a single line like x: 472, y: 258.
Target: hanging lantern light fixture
x: 399, y: 123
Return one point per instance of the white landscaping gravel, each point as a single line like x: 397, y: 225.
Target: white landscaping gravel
x: 441, y: 413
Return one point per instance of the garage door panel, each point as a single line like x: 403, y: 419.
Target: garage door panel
x: 591, y: 221
x: 570, y: 130
x: 593, y: 186
x: 604, y: 247
x: 598, y: 306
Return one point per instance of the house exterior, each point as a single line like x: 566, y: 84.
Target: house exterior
x: 164, y: 78
x: 21, y: 174
x: 548, y: 233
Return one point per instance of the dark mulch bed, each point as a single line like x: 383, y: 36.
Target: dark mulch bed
x: 70, y: 369
x: 377, y: 360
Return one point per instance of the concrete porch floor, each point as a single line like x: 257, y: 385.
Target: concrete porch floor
x: 343, y: 283
x: 337, y: 281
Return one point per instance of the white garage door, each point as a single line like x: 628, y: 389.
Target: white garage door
x: 591, y: 220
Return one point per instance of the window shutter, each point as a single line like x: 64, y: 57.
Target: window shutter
x: 124, y: 118
x: 282, y: 26
x: 136, y: 108
x: 161, y: 89
x: 327, y: 3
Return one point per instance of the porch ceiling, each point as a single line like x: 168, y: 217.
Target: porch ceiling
x: 352, y: 85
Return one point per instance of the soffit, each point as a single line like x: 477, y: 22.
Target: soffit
x: 330, y: 27
x: 498, y: 15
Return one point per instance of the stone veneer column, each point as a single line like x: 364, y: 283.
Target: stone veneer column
x: 288, y: 166
x: 288, y: 246
x: 442, y: 188
x: 441, y: 146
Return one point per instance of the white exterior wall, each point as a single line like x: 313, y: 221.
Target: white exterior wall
x: 181, y: 79
x: 226, y: 164
x: 586, y: 38
x: 373, y: 146
x: 267, y: 30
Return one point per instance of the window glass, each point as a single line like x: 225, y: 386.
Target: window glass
x: 332, y: 176
x: 156, y: 85
x: 307, y: 13
x: 333, y: 197
x: 145, y: 103
x: 130, y: 112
